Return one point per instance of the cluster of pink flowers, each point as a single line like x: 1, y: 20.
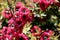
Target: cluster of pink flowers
x: 44, y: 4
x: 9, y: 33
x: 16, y: 21
x: 36, y: 31
x: 20, y: 17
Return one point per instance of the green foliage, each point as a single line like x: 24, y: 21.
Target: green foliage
x: 4, y: 22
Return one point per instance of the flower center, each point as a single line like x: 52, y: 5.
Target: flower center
x: 43, y: 5
x: 23, y: 11
x: 21, y: 38
x: 45, y: 37
x: 24, y: 17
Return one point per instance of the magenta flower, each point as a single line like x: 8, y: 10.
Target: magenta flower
x: 24, y: 10
x: 57, y: 3
x: 7, y: 33
x: 16, y: 35
x: 49, y: 1
x: 23, y: 37
x: 46, y: 35
x: 11, y: 21
x: 24, y: 17
x: 7, y: 13
x: 44, y: 4
x: 7, y: 30
x: 19, y: 5
x: 36, y: 31
x: 44, y: 38
x: 8, y: 37
x: 17, y: 17
x: 31, y: 18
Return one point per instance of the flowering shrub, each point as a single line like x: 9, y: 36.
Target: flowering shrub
x: 36, y: 21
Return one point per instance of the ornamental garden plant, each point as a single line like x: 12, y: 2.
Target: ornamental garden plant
x: 30, y: 20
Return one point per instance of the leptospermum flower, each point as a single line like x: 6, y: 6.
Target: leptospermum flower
x: 36, y: 31
x: 7, y: 30
x: 49, y: 1
x: 23, y: 37
x: 7, y: 33
x: 57, y: 3
x: 7, y: 13
x: 44, y: 4
x: 24, y: 10
x: 25, y: 17
x: 44, y: 38
x: 46, y: 35
x: 11, y: 21
x: 8, y: 37
x: 19, y: 5
x: 17, y: 17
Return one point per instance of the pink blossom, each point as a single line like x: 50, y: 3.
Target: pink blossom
x: 11, y: 21
x: 7, y: 13
x: 57, y: 3
x: 46, y: 35
x: 34, y: 32
x: 23, y: 36
x: 44, y: 4
x: 17, y: 17
x: 24, y: 10
x: 19, y: 5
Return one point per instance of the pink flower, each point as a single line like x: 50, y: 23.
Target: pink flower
x: 8, y: 37
x: 16, y: 35
x: 49, y: 1
x: 11, y: 21
x: 17, y: 17
x: 23, y: 37
x: 7, y: 30
x: 44, y: 4
x: 57, y: 3
x: 19, y: 5
x: 24, y: 10
x: 7, y: 33
x: 24, y: 17
x: 46, y: 35
x: 7, y: 13
x: 36, y: 31
x: 44, y: 38
x: 41, y: 38
x: 31, y: 18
